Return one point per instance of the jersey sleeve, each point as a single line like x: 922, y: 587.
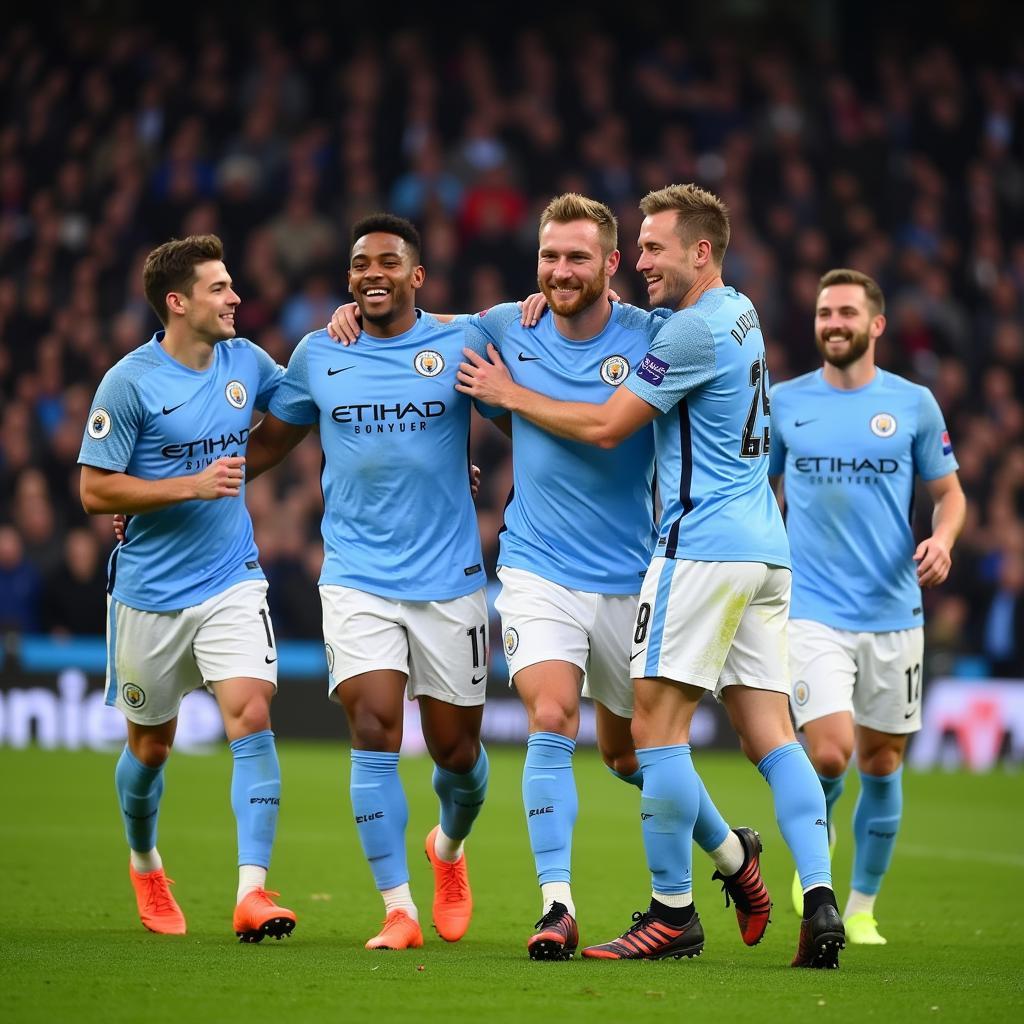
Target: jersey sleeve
x: 489, y: 326
x: 777, y: 449
x: 292, y: 400
x: 270, y: 375
x: 933, y: 451
x: 681, y: 358
x: 115, y: 421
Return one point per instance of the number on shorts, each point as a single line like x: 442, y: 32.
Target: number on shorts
x: 752, y: 447
x: 913, y: 675
x: 643, y: 616
x: 266, y: 626
x: 479, y: 649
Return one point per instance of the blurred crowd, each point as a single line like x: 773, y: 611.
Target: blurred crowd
x: 906, y: 162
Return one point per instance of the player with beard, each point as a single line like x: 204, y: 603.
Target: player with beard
x: 851, y: 438
x: 402, y: 585
x: 715, y: 599
x: 578, y: 534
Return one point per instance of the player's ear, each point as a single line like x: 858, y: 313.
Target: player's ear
x: 611, y: 264
x: 419, y: 275
x: 174, y: 303
x: 878, y: 325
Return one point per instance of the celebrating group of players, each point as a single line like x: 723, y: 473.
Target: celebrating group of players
x: 600, y: 399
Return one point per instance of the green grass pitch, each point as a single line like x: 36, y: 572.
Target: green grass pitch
x: 72, y: 948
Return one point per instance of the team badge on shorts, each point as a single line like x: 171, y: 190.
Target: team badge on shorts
x: 883, y: 424
x: 614, y: 370
x: 428, y: 363
x: 330, y: 658
x: 99, y: 424
x: 134, y: 696
x: 236, y: 394
x: 801, y: 693
x: 511, y: 642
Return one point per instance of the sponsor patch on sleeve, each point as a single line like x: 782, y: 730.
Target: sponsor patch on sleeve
x: 652, y: 370
x: 947, y: 445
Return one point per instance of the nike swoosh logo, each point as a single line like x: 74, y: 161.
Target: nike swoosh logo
x: 910, y: 714
x: 638, y: 653
x: 167, y: 412
x: 269, y: 660
x: 527, y: 359
x: 476, y: 682
x: 803, y: 423
x: 341, y: 369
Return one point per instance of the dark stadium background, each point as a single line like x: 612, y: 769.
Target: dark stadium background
x: 868, y: 135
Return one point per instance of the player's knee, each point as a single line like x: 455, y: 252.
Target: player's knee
x: 829, y: 759
x: 881, y: 762
x: 621, y: 762
x: 549, y: 716
x: 371, y: 732
x: 152, y: 751
x: 253, y: 717
x: 458, y: 756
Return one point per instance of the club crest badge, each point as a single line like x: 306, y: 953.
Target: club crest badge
x: 614, y: 370
x: 236, y: 394
x: 511, y: 642
x: 883, y: 424
x: 428, y: 363
x: 134, y: 696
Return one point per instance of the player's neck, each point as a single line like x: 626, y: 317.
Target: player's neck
x: 858, y: 374
x: 392, y: 328
x: 586, y: 324
x: 188, y: 349
x: 704, y: 283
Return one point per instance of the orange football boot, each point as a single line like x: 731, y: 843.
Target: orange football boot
x: 453, y: 901
x: 400, y: 931
x: 158, y: 909
x: 258, y: 915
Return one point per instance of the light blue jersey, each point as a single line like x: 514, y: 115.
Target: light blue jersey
x: 578, y: 515
x: 399, y: 519
x: 706, y: 372
x: 850, y: 458
x: 155, y: 418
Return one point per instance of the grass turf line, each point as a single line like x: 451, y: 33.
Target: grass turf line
x: 73, y: 948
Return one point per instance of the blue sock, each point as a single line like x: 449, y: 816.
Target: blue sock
x: 833, y: 790
x: 710, y: 829
x: 461, y: 796
x: 381, y: 812
x: 800, y: 811
x: 139, y: 789
x: 255, y: 795
x: 668, y: 810
x: 876, y: 820
x: 636, y: 779
x: 549, y: 798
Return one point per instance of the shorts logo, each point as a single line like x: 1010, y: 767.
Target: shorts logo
x: 428, y: 363
x: 330, y: 658
x: 614, y: 370
x: 652, y: 370
x: 134, y: 696
x: 236, y: 394
x: 99, y: 424
x: 511, y: 642
x: 801, y: 693
x: 883, y: 424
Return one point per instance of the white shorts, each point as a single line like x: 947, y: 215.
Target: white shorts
x: 155, y: 658
x: 713, y: 624
x: 874, y: 676
x: 440, y: 645
x: 544, y: 621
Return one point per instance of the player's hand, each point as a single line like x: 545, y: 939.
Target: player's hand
x: 119, y: 523
x: 531, y: 309
x: 221, y: 480
x: 933, y: 562
x: 346, y: 324
x: 488, y: 382
x: 474, y: 479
